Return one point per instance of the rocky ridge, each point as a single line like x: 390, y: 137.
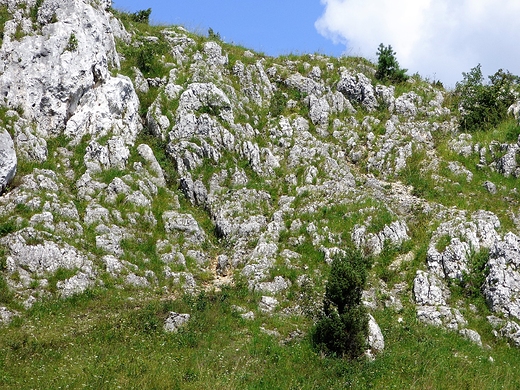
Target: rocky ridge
x: 154, y: 160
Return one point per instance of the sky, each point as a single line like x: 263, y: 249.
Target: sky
x: 439, y: 39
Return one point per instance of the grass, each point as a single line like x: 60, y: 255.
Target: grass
x: 116, y: 342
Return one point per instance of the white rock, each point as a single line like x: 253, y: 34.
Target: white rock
x: 175, y: 321
x: 39, y: 74
x: 75, y: 285
x: 8, y: 160
x: 376, y: 340
x: 268, y: 304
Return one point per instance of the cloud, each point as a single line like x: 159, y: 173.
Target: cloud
x: 439, y: 39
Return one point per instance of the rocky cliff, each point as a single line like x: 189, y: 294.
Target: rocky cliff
x: 159, y: 159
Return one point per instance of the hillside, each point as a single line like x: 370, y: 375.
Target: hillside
x: 171, y: 205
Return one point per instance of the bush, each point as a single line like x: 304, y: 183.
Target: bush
x: 343, y: 328
x: 142, y: 16
x: 482, y: 105
x: 388, y: 67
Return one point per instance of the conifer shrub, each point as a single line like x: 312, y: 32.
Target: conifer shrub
x: 142, y: 16
x: 342, y: 329
x: 388, y: 68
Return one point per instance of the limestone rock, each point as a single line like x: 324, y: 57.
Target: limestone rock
x: 175, y: 321
x: 441, y: 316
x: 472, y: 336
x: 39, y: 254
x: 464, y: 236
x: 6, y: 315
x: 502, y: 285
x: 395, y: 234
x: 376, y: 341
x: 75, y: 285
x: 49, y: 91
x: 184, y: 223
x: 277, y: 285
x: 268, y: 304
x: 429, y: 290
x: 8, y: 160
x: 358, y: 88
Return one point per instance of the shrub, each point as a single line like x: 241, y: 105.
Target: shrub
x: 142, y: 16
x: 72, y: 43
x: 482, y: 105
x: 214, y: 35
x: 387, y: 65
x: 343, y: 327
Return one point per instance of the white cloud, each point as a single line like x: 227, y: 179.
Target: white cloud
x: 440, y: 39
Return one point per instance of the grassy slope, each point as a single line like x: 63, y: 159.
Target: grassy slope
x: 104, y: 339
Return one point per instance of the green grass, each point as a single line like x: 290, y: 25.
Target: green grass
x: 103, y: 340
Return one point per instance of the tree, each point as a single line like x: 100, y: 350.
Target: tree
x: 343, y: 328
x: 484, y: 105
x: 142, y: 16
x: 387, y: 65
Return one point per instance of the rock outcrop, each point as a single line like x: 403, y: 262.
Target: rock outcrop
x: 8, y: 160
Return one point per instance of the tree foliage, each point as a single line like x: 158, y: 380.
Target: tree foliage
x: 387, y: 65
x: 483, y: 105
x: 343, y: 328
x: 142, y: 16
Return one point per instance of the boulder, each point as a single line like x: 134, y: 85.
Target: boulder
x: 46, y: 76
x: 376, y: 341
x: 8, y: 160
x: 357, y: 87
x: 175, y: 321
x: 502, y: 285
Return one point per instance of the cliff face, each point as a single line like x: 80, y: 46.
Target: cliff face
x: 156, y: 158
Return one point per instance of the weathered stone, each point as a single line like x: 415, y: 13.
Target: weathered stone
x: 175, y: 321
x: 77, y: 284
x: 376, y: 341
x: 441, y: 316
x: 8, y: 160
x: 268, y: 304
x: 502, y: 285
x: 472, y: 336
x: 183, y: 223
x: 358, y: 88
x: 429, y: 290
x: 36, y: 253
x: 6, y: 315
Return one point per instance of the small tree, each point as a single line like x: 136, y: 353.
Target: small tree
x: 142, y: 16
x: 343, y: 328
x: 484, y: 105
x: 387, y: 65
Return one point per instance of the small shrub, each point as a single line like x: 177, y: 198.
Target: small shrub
x: 473, y: 280
x: 343, y: 328
x: 34, y: 11
x: 7, y: 227
x: 387, y: 66
x: 72, y: 44
x: 213, y: 35
x: 142, y: 16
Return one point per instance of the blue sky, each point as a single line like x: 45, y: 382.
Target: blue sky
x: 439, y: 39
x: 273, y: 27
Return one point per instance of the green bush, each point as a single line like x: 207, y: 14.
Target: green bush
x: 142, y: 16
x: 343, y: 327
x: 387, y: 66
x: 482, y: 105
x: 72, y: 43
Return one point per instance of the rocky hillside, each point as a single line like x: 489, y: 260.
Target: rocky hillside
x: 156, y: 161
